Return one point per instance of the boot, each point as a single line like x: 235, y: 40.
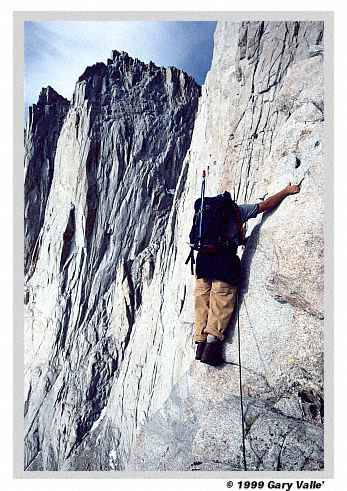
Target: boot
x: 199, y: 349
x: 212, y: 354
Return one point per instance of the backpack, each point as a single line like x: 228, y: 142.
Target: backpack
x: 209, y: 229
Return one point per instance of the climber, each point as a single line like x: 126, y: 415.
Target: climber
x: 217, y: 278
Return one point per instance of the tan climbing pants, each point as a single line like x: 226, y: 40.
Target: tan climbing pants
x: 214, y: 305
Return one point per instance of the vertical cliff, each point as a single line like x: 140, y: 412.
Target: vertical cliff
x: 116, y: 164
x: 41, y: 134
x: 111, y: 380
x: 260, y: 125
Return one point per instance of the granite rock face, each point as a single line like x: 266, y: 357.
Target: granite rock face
x: 199, y: 429
x: 260, y: 125
x: 41, y: 134
x: 111, y: 380
x: 117, y: 159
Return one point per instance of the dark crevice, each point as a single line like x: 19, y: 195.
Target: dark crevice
x: 320, y: 37
x: 65, y: 324
x: 68, y: 238
x: 183, y: 299
x: 92, y: 192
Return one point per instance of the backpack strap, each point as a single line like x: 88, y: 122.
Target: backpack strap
x: 191, y: 259
x: 242, y: 231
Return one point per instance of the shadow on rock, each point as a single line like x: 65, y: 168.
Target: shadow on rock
x: 246, y: 263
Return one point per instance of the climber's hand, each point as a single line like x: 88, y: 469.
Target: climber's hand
x: 292, y: 188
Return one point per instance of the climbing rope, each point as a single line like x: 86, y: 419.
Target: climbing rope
x: 240, y: 379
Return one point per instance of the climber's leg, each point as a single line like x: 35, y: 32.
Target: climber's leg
x: 202, y: 304
x: 222, y: 303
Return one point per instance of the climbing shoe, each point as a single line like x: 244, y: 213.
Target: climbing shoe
x: 199, y: 349
x: 212, y: 354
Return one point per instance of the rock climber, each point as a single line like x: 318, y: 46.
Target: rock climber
x: 216, y: 282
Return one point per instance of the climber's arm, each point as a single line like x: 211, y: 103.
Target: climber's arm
x: 271, y: 203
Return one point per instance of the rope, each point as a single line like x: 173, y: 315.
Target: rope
x: 240, y: 378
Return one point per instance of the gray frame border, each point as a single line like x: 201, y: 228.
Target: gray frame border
x: 19, y: 17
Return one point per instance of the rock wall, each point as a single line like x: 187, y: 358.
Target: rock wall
x: 112, y: 383
x: 117, y: 161
x: 40, y: 141
x: 260, y: 125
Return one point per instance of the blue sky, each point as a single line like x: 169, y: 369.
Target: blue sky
x: 57, y: 52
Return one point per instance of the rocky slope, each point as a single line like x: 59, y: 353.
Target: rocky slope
x: 111, y: 380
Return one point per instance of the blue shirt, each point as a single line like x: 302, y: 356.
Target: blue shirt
x: 246, y: 212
